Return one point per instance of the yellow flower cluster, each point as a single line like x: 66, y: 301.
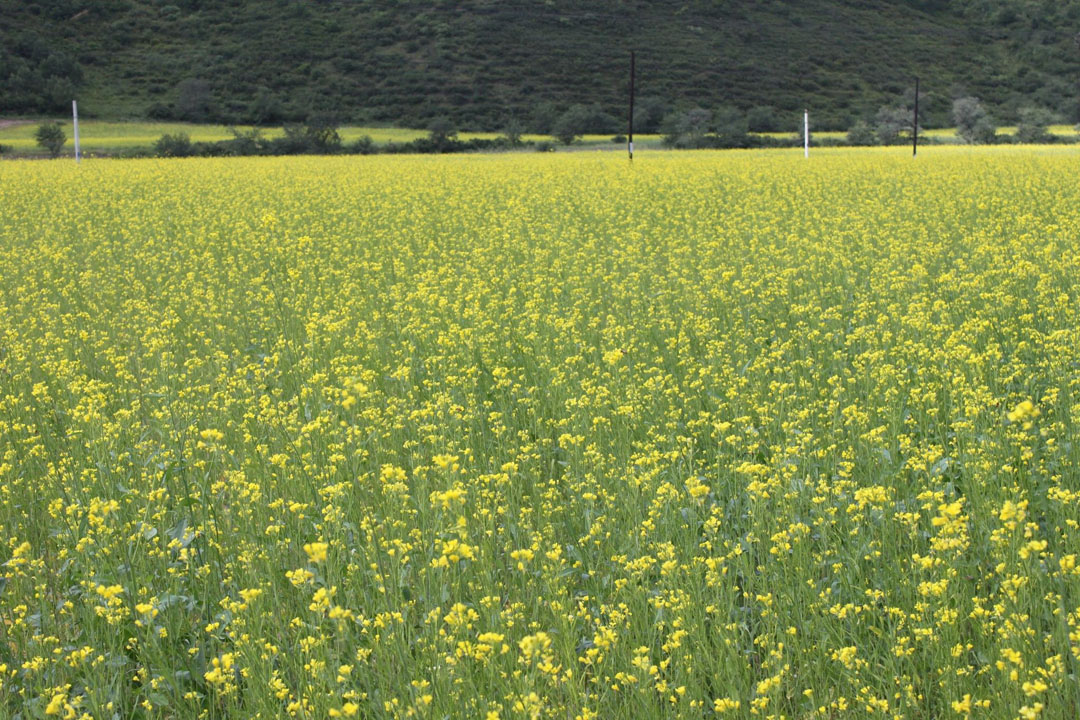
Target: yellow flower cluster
x: 554, y: 436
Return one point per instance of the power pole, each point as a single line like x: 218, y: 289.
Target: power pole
x: 806, y: 133
x: 915, y: 123
x: 630, y: 118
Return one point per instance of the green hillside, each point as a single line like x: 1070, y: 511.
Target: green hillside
x: 481, y: 62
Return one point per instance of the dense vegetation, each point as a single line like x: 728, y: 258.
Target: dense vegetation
x: 482, y: 62
x: 542, y: 437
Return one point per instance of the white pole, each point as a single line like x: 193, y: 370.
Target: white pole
x: 75, y: 118
x: 806, y: 133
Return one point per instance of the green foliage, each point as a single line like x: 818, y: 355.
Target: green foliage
x: 973, y: 124
x: 50, y: 136
x: 571, y: 124
x: 861, y: 134
x: 890, y: 122
x: 513, y: 131
x: 175, y: 145
x: 441, y: 131
x: 762, y: 119
x: 1033, y: 125
x: 477, y: 62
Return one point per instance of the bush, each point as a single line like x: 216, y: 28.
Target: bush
x: 730, y: 126
x: 248, y: 142
x: 442, y: 133
x: 177, y: 145
x: 571, y: 124
x: 973, y: 125
x: 543, y: 118
x: 861, y: 134
x: 890, y: 122
x: 545, y: 146
x: 1033, y: 125
x: 513, y: 132
x: 50, y: 136
x: 687, y: 129
x: 362, y: 146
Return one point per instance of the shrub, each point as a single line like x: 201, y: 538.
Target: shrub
x: 861, y: 134
x: 442, y: 133
x: 571, y: 124
x: 730, y: 126
x: 362, y: 146
x: 50, y: 136
x: 890, y: 122
x: 686, y: 129
x: 513, y: 132
x: 175, y: 145
x: 1033, y: 125
x: 973, y: 125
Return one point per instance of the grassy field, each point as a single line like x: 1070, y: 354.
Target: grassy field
x: 541, y: 436
x: 111, y: 137
x: 105, y: 137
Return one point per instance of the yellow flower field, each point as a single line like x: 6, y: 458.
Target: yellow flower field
x: 716, y: 434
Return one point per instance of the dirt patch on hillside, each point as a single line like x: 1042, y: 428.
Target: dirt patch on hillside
x: 12, y: 123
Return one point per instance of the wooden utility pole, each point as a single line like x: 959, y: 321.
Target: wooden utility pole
x: 915, y: 122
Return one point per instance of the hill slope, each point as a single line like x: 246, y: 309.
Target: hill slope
x: 482, y: 61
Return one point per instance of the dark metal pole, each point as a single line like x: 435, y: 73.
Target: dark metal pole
x: 915, y: 125
x: 630, y: 119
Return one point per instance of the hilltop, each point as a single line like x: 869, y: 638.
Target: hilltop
x: 482, y: 62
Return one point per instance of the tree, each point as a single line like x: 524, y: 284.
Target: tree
x: 178, y: 145
x: 1034, y: 122
x: 861, y: 134
x: 513, y: 131
x: 890, y: 122
x: 543, y: 117
x: 321, y: 131
x: 50, y: 136
x: 571, y: 124
x: 730, y: 126
x: 441, y: 131
x: 687, y: 129
x: 973, y: 125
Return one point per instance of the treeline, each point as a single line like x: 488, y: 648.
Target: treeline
x: 320, y: 137
x: 37, y: 78
x: 974, y: 125
x: 479, y: 62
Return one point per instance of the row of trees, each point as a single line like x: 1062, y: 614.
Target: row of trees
x: 973, y: 123
x: 725, y: 127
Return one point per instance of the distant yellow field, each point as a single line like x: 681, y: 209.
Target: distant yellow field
x: 105, y: 136
x: 99, y: 136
